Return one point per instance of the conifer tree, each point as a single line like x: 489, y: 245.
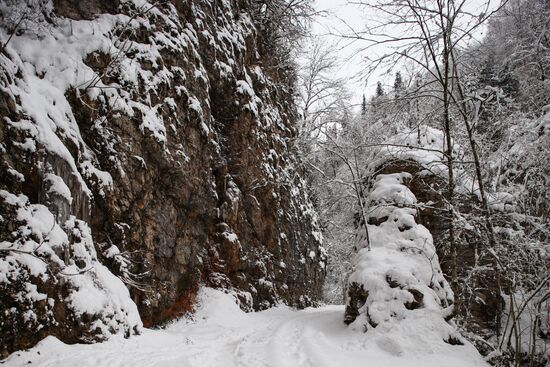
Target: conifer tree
x: 380, y: 90
x: 398, y: 83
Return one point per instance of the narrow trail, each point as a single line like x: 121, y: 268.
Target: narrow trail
x: 221, y: 335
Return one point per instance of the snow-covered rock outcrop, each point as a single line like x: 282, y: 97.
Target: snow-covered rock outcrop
x: 403, y: 276
x: 397, y: 293
x: 50, y: 274
x: 419, y: 154
x: 162, y: 132
x: 399, y: 272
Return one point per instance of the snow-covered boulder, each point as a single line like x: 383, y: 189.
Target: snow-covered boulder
x: 399, y: 272
x: 51, y: 282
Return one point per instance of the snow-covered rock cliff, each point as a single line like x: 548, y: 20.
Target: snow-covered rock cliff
x: 146, y: 144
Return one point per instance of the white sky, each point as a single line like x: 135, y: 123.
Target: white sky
x: 341, y: 12
x: 338, y: 12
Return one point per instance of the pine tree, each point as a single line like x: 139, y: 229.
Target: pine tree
x: 380, y: 90
x: 398, y: 83
x: 364, y: 106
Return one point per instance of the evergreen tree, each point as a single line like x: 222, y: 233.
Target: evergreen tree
x: 364, y: 106
x: 379, y: 90
x: 398, y: 83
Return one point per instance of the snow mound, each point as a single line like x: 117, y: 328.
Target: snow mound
x: 425, y: 145
x: 423, y: 339
x: 219, y: 307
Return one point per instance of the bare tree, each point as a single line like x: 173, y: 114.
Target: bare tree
x: 436, y: 37
x: 283, y: 24
x: 425, y: 33
x: 322, y: 96
x: 334, y: 171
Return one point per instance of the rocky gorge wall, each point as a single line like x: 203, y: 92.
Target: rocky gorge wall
x: 146, y: 148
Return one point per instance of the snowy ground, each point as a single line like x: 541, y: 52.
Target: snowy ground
x: 222, y: 335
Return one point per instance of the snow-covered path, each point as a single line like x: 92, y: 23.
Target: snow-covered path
x: 222, y: 335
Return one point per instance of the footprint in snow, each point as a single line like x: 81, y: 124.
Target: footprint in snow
x: 390, y: 346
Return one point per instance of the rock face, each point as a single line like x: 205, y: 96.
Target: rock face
x: 157, y: 140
